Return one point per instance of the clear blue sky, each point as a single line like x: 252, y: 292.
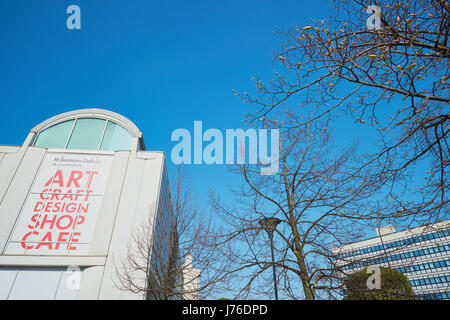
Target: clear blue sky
x: 162, y: 64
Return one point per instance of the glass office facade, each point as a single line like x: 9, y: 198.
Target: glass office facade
x: 164, y: 266
x: 423, y: 256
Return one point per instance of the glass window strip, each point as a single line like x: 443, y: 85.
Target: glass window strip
x: 74, y: 124
x: 103, y: 135
x: 70, y: 134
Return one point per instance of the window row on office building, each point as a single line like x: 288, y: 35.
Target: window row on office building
x: 430, y: 280
x: 441, y: 295
x: 432, y: 265
x: 395, y: 244
x: 436, y: 249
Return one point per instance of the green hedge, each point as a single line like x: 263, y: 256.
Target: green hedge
x: 393, y: 286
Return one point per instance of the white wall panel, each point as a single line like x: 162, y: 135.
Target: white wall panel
x: 34, y: 284
x: 7, y: 277
x: 11, y: 204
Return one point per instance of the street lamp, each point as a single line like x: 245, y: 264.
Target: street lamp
x: 270, y: 224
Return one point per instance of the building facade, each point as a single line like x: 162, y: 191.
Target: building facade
x: 71, y: 198
x: 422, y: 254
x: 191, y: 279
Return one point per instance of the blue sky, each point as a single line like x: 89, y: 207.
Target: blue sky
x: 162, y: 64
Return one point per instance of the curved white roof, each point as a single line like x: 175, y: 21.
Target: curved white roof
x: 91, y: 112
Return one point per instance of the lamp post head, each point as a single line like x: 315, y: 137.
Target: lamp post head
x: 269, y: 224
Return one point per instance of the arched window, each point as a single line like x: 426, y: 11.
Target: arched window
x: 85, y: 134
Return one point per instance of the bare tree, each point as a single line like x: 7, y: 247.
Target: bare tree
x: 319, y: 202
x: 155, y: 264
x: 393, y: 78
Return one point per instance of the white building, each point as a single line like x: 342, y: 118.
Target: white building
x: 422, y: 254
x: 191, y: 279
x: 71, y: 198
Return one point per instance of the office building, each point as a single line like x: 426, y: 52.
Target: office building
x: 422, y: 254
